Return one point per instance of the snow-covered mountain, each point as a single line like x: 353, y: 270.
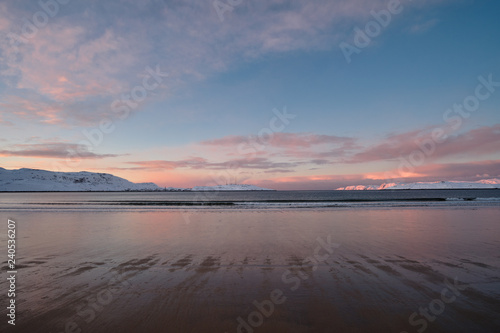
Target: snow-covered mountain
x: 41, y: 180
x: 24, y: 180
x: 481, y: 184
x: 231, y: 187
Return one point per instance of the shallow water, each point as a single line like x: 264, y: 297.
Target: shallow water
x: 204, y: 270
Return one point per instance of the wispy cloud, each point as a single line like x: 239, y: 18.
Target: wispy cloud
x: 201, y: 163
x: 461, y: 171
x: 53, y: 150
x: 305, y: 147
x: 32, y: 107
x: 480, y: 141
x: 86, y: 53
x: 283, y: 140
x: 422, y: 27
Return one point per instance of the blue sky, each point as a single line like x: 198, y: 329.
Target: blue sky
x: 354, y: 122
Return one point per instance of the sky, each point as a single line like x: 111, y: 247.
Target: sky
x: 284, y: 94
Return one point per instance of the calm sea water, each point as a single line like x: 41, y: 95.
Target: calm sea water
x: 244, y: 199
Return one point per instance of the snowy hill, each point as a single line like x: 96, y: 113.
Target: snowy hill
x: 23, y: 180
x: 41, y: 180
x: 481, y: 184
x: 232, y: 187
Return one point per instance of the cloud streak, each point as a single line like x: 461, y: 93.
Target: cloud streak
x: 282, y: 140
x: 201, y: 163
x: 476, y: 142
x: 53, y: 150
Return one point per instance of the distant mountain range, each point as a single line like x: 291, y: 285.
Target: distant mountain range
x: 33, y: 180
x: 481, y: 184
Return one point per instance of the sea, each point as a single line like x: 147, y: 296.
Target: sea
x: 98, y: 201
x: 249, y: 262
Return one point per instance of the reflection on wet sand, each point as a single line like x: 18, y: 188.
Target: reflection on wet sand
x: 251, y: 271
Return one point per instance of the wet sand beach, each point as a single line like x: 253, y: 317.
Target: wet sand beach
x: 289, y: 270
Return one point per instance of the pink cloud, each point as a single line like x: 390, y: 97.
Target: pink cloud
x: 461, y: 171
x: 68, y: 65
x: 307, y: 147
x: 480, y: 141
x: 484, y: 140
x: 64, y: 64
x: 33, y: 108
